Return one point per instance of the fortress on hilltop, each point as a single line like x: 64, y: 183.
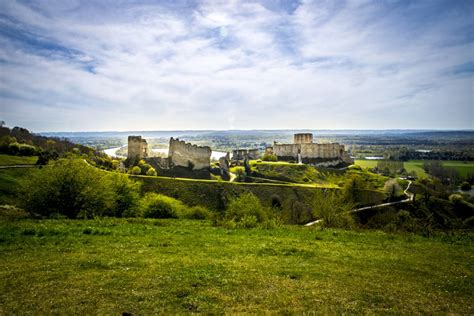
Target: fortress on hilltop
x: 303, y: 150
x: 180, y: 154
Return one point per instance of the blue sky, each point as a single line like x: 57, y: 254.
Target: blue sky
x: 168, y: 65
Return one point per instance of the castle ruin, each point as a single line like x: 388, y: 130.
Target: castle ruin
x: 242, y: 154
x: 188, y: 155
x: 137, y: 147
x: 305, y: 151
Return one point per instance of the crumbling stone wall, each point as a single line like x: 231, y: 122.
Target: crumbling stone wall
x: 188, y: 155
x: 241, y: 154
x: 137, y: 147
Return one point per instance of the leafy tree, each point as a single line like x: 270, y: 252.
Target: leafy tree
x: 126, y: 195
x: 393, y: 189
x: 73, y: 189
x: 332, y: 208
x: 69, y: 188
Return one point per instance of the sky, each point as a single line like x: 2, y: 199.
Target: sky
x: 114, y: 65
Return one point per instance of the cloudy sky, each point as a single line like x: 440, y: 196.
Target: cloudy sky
x: 166, y: 65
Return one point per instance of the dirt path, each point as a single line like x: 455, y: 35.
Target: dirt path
x: 409, y: 199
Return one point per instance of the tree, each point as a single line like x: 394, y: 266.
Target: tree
x: 126, y: 196
x: 332, y: 208
x: 73, y: 189
x: 393, y: 189
x: 69, y: 188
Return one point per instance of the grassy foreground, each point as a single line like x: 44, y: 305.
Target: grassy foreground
x: 111, y: 266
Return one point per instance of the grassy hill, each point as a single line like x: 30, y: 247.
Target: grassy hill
x: 286, y: 172
x: 111, y: 266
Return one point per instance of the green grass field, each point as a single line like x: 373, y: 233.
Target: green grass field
x: 111, y: 266
x: 417, y: 165
x: 8, y: 160
x: 9, y: 181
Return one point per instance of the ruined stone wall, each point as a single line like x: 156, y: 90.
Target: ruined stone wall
x: 185, y: 154
x: 303, y: 138
x: 241, y: 154
x: 137, y: 147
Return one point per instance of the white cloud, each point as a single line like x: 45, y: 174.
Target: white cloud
x: 233, y: 65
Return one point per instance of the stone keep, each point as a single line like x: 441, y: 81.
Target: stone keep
x: 303, y: 138
x: 186, y: 155
x: 312, y: 153
x: 137, y: 147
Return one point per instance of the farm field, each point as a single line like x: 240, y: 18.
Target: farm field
x: 112, y: 266
x: 417, y: 165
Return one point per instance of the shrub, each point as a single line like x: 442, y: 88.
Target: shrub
x: 239, y: 172
x: 126, y: 195
x: 161, y: 206
x: 246, y: 205
x: 73, y: 189
x: 136, y: 170
x: 26, y: 150
x: 248, y: 221
x: 70, y: 188
x: 465, y: 186
x: 151, y: 172
x: 269, y: 157
x: 197, y: 212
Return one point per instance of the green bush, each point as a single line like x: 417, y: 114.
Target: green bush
x: 246, y: 205
x: 197, y: 212
x: 125, y: 195
x: 248, y: 221
x: 161, y: 206
x: 151, y: 172
x: 269, y: 157
x: 27, y: 150
x: 73, y: 189
x: 70, y: 188
x: 136, y: 170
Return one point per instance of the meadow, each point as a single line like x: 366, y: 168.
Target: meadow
x: 8, y: 160
x: 111, y: 266
x: 417, y: 165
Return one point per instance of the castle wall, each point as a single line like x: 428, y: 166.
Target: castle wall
x: 312, y: 153
x: 185, y: 154
x: 137, y: 147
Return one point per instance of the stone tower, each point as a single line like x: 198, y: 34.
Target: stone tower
x: 137, y: 147
x: 303, y: 138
